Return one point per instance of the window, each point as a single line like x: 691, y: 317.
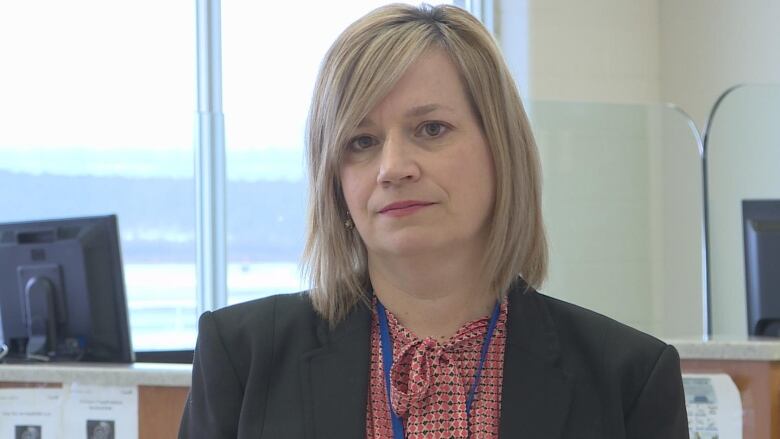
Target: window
x: 96, y: 103
x: 98, y: 114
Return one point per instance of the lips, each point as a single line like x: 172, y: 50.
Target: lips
x: 404, y: 206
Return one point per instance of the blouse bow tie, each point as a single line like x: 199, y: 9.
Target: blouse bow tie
x: 417, y: 364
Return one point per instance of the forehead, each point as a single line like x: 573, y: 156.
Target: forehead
x: 432, y: 79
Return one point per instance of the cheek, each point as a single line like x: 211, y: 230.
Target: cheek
x: 354, y: 186
x: 489, y: 177
x: 477, y: 178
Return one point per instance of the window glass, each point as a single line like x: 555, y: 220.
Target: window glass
x: 97, y: 102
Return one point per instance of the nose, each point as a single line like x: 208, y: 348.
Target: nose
x: 398, y: 162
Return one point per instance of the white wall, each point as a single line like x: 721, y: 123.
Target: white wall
x: 707, y: 46
x: 614, y: 220
x: 600, y: 50
x: 596, y: 193
x: 596, y: 203
x: 683, y: 51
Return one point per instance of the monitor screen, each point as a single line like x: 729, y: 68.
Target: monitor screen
x: 62, y: 292
x: 761, y: 226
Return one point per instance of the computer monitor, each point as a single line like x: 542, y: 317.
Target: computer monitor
x: 761, y: 225
x: 62, y: 293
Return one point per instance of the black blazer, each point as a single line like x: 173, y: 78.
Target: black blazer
x: 271, y: 368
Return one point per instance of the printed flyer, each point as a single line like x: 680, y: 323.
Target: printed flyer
x: 31, y: 413
x: 74, y: 411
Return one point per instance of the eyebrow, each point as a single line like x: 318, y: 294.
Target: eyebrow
x: 417, y: 111
x: 425, y: 109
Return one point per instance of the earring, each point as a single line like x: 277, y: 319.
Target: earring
x: 348, y: 224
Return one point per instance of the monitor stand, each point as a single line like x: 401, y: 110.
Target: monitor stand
x: 41, y: 319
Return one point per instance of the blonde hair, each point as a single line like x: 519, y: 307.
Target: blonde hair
x: 359, y: 69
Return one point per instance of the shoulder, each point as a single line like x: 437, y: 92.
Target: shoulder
x: 268, y: 317
x: 578, y: 326
x: 239, y: 348
x: 604, y: 347
x: 632, y: 374
x: 251, y: 332
x: 266, y: 312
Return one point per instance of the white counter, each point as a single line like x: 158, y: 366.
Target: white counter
x: 138, y: 374
x: 179, y: 375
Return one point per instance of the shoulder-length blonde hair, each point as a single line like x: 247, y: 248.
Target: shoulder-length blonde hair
x: 359, y: 69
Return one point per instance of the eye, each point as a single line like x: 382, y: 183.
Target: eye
x: 433, y: 129
x: 360, y: 143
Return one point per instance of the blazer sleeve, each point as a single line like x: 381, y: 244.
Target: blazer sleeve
x: 214, y: 403
x: 659, y: 410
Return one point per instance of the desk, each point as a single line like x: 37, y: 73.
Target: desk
x: 754, y: 365
x: 162, y: 388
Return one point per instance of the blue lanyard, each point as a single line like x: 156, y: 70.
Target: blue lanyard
x: 387, y: 364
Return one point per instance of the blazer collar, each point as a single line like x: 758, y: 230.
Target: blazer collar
x: 334, y: 378
x: 536, y: 391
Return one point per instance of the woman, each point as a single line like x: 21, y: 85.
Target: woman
x: 425, y: 245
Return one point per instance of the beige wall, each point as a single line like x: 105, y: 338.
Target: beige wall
x: 650, y: 51
x: 600, y: 51
x: 602, y: 195
x: 708, y: 46
x: 686, y: 52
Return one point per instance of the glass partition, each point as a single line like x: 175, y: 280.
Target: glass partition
x: 743, y: 162
x: 623, y: 204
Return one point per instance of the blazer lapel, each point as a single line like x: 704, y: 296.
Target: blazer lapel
x: 334, y: 379
x: 536, y: 391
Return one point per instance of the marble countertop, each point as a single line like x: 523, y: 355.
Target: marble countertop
x: 746, y: 349
x: 137, y: 374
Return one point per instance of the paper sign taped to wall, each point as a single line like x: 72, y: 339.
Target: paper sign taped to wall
x: 74, y: 411
x: 31, y: 413
x: 714, y: 406
x: 100, y: 412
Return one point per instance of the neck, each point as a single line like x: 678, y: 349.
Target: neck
x: 432, y: 299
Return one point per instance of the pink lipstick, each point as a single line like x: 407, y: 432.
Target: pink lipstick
x: 403, y: 208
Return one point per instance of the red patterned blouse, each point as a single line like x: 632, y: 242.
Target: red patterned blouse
x: 430, y: 382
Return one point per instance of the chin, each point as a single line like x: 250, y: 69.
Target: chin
x: 411, y: 244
